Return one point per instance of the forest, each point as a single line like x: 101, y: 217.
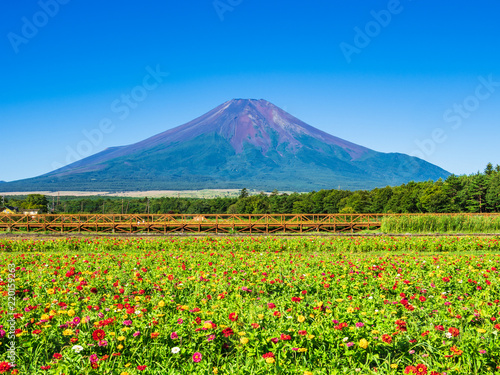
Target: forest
x: 475, y: 193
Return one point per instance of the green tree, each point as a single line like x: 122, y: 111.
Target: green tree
x: 36, y: 201
x: 243, y: 193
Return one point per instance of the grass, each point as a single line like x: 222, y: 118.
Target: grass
x: 441, y: 224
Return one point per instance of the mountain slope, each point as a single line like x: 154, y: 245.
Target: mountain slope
x: 241, y: 143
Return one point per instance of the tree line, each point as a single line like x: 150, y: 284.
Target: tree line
x: 479, y: 193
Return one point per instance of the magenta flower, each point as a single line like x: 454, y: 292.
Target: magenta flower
x: 103, y: 343
x: 180, y: 321
x: 359, y: 324
x: 135, y: 334
x: 94, y: 358
x: 197, y: 357
x: 210, y: 337
x: 174, y: 335
x: 127, y: 322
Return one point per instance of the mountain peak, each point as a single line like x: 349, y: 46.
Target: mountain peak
x: 241, y: 143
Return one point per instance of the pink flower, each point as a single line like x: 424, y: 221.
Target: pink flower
x: 103, y: 343
x: 197, y: 357
x: 180, y: 321
x: 94, y: 358
x: 127, y: 322
x: 174, y: 335
x: 210, y: 337
x: 359, y: 324
x: 135, y: 334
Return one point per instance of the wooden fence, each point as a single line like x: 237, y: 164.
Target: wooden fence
x: 166, y: 223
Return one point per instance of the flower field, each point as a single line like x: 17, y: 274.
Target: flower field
x: 261, y: 305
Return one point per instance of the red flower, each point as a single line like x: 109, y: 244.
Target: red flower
x: 93, y: 290
x: 36, y: 331
x: 387, y: 339
x: 302, y: 333
x: 421, y: 369
x: 497, y: 326
x: 233, y: 317
x: 268, y: 355
x: 154, y: 335
x: 255, y: 325
x: 57, y: 356
x: 141, y: 368
x: 422, y: 299
x: 227, y: 332
x: 285, y: 337
x: 439, y: 328
x: 45, y: 367
x: 296, y: 299
x: 4, y: 367
x: 277, y: 313
x: 454, y: 331
x: 425, y: 333
x: 410, y: 370
x: 446, y: 279
x: 98, y: 335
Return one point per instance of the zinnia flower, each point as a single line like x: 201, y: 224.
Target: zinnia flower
x: 197, y: 357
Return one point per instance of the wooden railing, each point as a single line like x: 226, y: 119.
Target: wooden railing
x: 193, y: 223
x: 166, y: 223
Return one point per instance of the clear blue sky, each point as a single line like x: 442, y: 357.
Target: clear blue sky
x: 420, y: 69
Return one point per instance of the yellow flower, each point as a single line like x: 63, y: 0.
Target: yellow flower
x: 45, y: 317
x: 270, y: 360
x: 374, y: 332
x: 124, y: 373
x: 350, y: 309
x: 128, y: 364
x: 112, y: 333
x: 394, y: 365
x: 338, y: 300
x: 244, y: 340
x: 308, y: 373
x: 207, y: 325
x: 363, y: 343
x: 302, y: 350
x: 137, y: 299
x: 310, y: 337
x: 71, y: 312
x: 120, y: 347
x: 301, y: 318
x: 161, y: 303
x: 242, y: 333
x: 121, y: 338
x: 260, y: 316
x: 215, y: 370
x: 481, y: 330
x: 67, y: 332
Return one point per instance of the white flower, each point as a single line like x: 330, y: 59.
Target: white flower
x: 345, y: 339
x: 448, y: 335
x: 137, y: 312
x: 77, y: 348
x: 175, y: 350
x: 370, y: 297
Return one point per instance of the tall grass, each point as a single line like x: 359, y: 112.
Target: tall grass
x: 441, y: 224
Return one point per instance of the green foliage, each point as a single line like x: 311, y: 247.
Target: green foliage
x: 477, y: 193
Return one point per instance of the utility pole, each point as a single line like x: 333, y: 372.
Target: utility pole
x: 103, y: 208
x: 53, y: 201
x: 81, y: 209
x: 122, y: 206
